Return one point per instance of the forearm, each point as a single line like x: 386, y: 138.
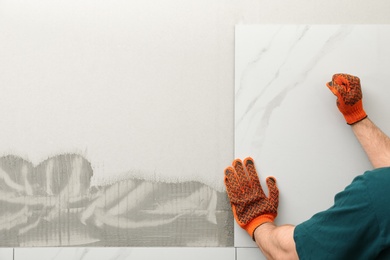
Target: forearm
x: 375, y: 143
x: 276, y: 242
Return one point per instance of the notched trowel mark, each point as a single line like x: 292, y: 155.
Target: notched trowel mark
x: 54, y: 204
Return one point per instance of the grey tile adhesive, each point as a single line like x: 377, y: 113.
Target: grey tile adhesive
x: 53, y: 204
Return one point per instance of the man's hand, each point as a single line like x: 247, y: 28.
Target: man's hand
x: 349, y: 97
x: 251, y: 207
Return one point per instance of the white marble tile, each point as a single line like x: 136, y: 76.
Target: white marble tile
x: 249, y: 254
x: 124, y: 253
x: 6, y: 253
x: 287, y: 119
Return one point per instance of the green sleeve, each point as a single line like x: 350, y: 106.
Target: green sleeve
x: 348, y: 230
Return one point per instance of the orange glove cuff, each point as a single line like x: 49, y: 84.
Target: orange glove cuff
x: 354, y: 113
x: 255, y: 223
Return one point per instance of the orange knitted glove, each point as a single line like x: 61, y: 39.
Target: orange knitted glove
x: 251, y: 207
x: 349, y: 97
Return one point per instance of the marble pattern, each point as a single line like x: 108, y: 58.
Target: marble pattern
x: 287, y: 119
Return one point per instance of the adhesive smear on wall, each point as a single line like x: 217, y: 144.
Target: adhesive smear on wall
x: 53, y: 204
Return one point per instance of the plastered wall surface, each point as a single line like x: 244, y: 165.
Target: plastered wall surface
x: 168, y: 34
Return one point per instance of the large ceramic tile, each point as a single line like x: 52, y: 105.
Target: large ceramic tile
x: 124, y: 253
x: 287, y: 119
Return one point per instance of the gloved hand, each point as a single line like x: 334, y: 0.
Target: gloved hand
x: 251, y: 207
x: 349, y: 97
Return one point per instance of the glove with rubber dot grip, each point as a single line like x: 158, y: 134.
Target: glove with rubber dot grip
x: 251, y: 207
x: 349, y: 97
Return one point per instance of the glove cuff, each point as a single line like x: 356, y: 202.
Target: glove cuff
x: 256, y: 222
x: 355, y: 114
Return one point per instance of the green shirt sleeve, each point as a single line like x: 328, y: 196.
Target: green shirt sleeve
x: 353, y: 228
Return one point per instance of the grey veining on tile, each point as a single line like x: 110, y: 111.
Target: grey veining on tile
x: 287, y: 119
x: 261, y: 102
